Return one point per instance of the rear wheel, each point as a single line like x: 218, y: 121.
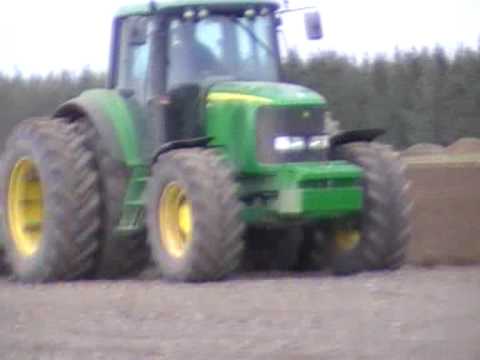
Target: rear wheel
x: 117, y: 257
x: 49, y: 195
x: 194, y: 225
x: 378, y: 238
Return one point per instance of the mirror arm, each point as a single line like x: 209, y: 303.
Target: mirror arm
x: 153, y: 7
x: 287, y: 11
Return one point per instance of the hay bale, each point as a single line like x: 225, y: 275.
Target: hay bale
x: 445, y: 221
x: 464, y: 146
x: 423, y: 149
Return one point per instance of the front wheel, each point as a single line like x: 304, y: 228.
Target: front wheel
x: 194, y: 225
x: 378, y: 238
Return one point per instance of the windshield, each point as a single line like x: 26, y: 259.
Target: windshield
x: 221, y: 46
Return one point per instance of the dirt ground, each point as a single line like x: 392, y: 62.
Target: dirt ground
x: 414, y: 313
x: 410, y: 314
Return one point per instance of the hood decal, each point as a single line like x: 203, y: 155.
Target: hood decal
x: 264, y: 93
x: 225, y: 96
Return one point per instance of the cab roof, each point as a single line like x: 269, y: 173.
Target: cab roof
x: 146, y: 7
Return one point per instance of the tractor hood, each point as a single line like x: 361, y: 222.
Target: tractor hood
x: 264, y: 93
x: 245, y: 118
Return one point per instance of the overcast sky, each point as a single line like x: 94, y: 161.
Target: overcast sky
x: 38, y: 37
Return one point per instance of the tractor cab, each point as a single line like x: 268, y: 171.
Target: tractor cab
x: 196, y: 44
x: 221, y: 46
x: 166, y: 56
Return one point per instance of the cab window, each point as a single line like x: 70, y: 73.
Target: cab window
x: 134, y: 56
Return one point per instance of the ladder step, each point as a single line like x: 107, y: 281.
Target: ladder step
x: 126, y: 231
x: 135, y: 203
x: 141, y: 179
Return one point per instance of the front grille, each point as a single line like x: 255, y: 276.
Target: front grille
x: 273, y: 122
x: 330, y: 183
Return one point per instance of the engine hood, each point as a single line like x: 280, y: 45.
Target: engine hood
x: 265, y: 93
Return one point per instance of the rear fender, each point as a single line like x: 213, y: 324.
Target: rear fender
x: 114, y: 120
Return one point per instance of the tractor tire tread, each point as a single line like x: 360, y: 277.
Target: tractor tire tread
x: 213, y: 194
x: 386, y: 217
x: 118, y: 257
x: 71, y: 189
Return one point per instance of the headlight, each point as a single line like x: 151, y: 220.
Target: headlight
x: 319, y: 142
x: 290, y: 144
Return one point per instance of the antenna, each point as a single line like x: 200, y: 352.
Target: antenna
x: 153, y: 6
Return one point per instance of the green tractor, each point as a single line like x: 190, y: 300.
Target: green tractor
x: 194, y: 152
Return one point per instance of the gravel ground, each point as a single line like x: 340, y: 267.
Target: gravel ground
x: 411, y: 314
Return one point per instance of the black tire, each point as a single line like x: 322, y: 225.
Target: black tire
x: 118, y: 257
x: 69, y: 223
x: 3, y: 264
x: 314, y: 251
x: 385, y: 221
x: 272, y: 248
x: 215, y: 248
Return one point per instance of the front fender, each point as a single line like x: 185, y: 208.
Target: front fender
x: 114, y: 119
x: 364, y: 135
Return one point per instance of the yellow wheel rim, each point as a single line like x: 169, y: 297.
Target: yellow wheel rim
x: 175, y: 220
x: 347, y: 240
x: 25, y: 207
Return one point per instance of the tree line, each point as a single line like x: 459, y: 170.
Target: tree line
x: 417, y: 96
x: 24, y: 97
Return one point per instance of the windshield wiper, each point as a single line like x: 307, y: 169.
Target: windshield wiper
x: 254, y: 36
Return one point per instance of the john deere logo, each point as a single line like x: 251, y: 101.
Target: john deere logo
x: 306, y: 115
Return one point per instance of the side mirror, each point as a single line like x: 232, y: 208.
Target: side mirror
x: 313, y: 25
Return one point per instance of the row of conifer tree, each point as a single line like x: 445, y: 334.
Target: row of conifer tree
x: 418, y: 96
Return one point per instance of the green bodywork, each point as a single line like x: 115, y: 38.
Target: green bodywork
x: 165, y: 5
x: 272, y: 192
x: 309, y: 191
x: 231, y: 116
x: 118, y: 121
x: 115, y: 119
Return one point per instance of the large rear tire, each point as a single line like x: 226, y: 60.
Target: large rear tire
x: 50, y: 202
x: 378, y: 239
x: 117, y: 257
x: 194, y: 225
